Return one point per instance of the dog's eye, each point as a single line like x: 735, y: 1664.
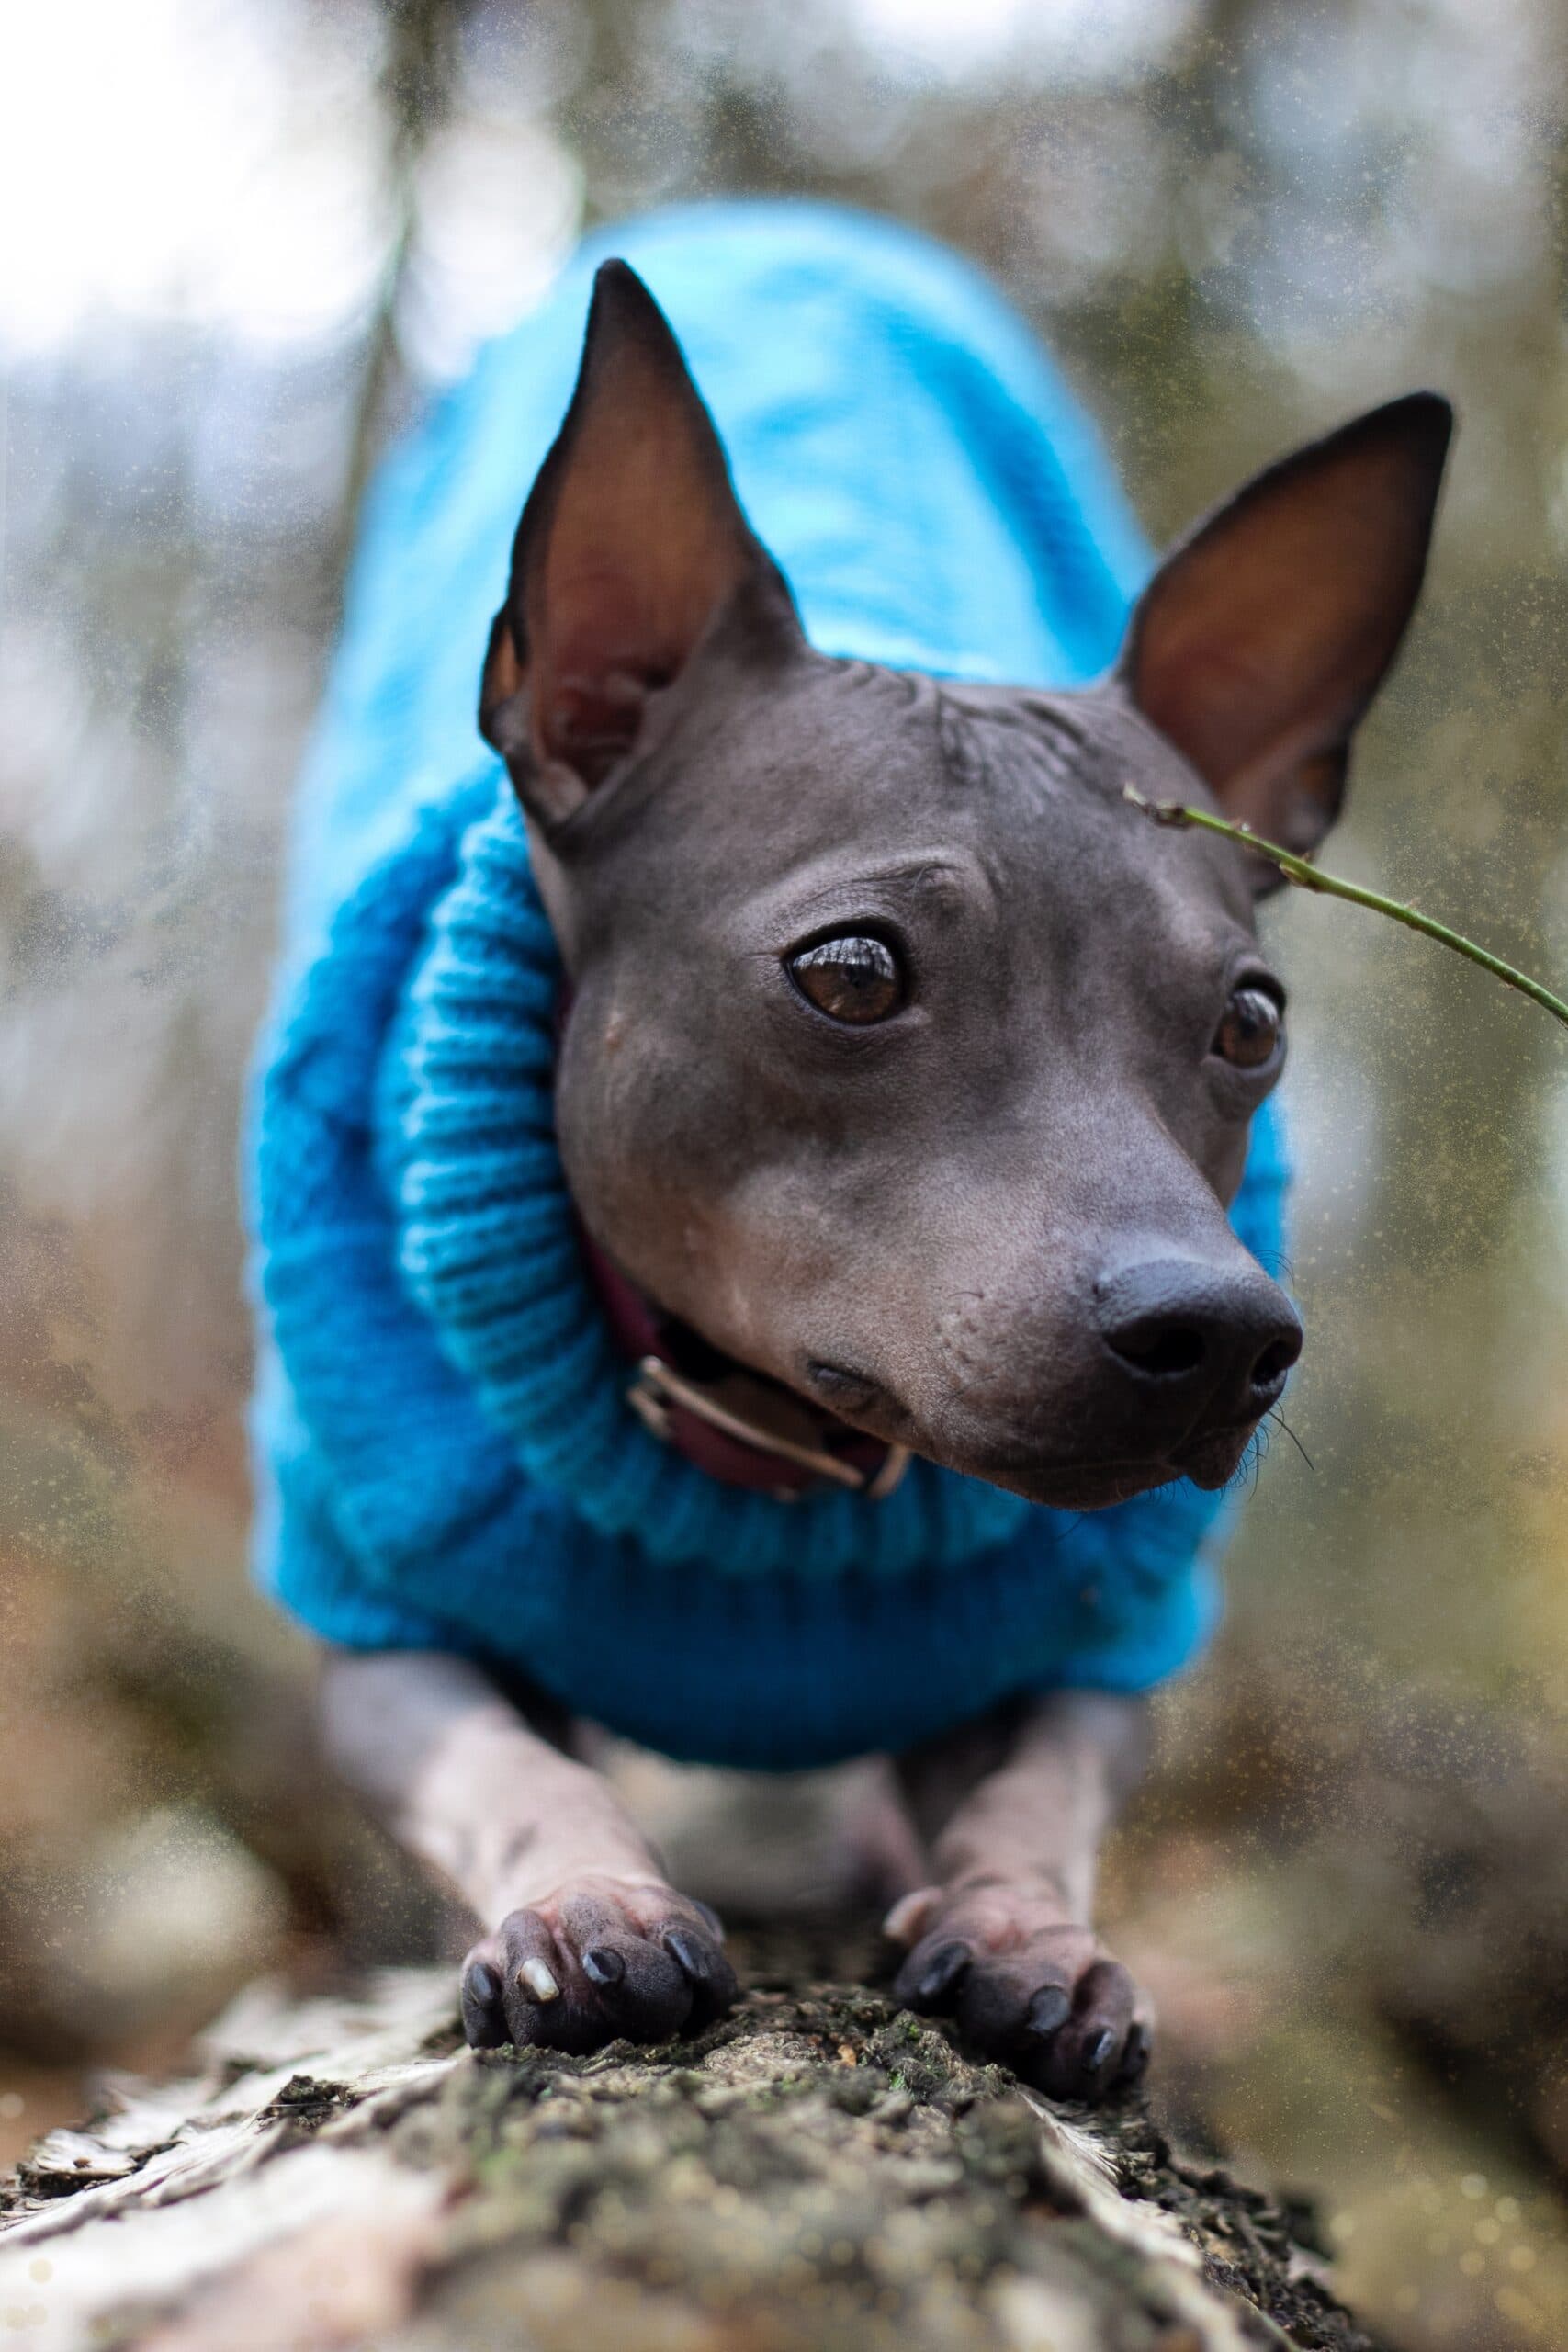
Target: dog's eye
x: 853, y: 978
x: 1253, y: 1028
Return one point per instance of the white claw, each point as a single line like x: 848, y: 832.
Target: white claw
x: 538, y: 1979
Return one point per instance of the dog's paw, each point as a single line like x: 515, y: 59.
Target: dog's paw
x: 1046, y: 2000
x: 597, y: 1961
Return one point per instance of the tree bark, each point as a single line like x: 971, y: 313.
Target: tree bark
x: 821, y: 2172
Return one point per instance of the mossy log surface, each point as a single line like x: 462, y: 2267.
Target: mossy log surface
x: 821, y: 2172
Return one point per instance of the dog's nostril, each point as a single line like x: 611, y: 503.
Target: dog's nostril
x: 1161, y: 1351
x: 1276, y: 1361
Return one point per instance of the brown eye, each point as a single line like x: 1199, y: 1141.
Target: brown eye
x: 853, y: 978
x: 1252, y: 1030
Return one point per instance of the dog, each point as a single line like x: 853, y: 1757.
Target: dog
x: 763, y: 1177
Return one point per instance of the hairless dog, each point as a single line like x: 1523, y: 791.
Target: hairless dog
x: 897, y: 1081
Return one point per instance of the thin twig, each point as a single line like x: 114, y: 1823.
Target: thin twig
x: 1308, y: 878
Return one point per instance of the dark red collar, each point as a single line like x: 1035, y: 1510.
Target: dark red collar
x: 735, y: 1425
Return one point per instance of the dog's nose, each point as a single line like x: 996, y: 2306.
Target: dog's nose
x: 1195, y: 1336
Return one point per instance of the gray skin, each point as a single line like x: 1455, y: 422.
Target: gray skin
x: 990, y: 1224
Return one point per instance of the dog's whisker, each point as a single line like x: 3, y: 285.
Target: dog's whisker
x: 1280, y: 1417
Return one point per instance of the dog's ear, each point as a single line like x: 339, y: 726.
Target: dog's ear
x: 631, y: 546
x: 1265, y: 634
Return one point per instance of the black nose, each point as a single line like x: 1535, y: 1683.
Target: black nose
x: 1196, y: 1336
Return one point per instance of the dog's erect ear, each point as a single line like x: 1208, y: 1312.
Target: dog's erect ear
x: 631, y: 544
x: 1263, y: 636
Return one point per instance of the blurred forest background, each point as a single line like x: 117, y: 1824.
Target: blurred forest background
x: 243, y: 238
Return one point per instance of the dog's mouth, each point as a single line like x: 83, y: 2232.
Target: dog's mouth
x: 1210, y: 1457
x: 1210, y: 1460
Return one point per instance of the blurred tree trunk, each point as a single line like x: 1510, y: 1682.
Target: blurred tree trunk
x: 418, y: 81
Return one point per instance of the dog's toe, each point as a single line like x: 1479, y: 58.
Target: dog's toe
x: 638, y: 1989
x: 932, y: 1971
x: 516, y: 1988
x: 483, y: 2011
x: 702, y: 1961
x: 1083, y: 2053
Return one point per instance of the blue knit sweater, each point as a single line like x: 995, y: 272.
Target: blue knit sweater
x: 445, y: 1455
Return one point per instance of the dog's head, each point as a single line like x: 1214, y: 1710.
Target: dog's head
x: 908, y: 1063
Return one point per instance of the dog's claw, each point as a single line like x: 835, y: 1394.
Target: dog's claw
x: 1099, y: 2049
x: 602, y: 1964
x: 1051, y: 2008
x: 1135, y: 2056
x: 688, y: 1955
x: 708, y: 1972
x: 537, y: 1977
x: 942, y: 1972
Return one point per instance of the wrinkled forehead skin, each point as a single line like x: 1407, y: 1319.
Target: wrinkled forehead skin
x: 927, y: 1201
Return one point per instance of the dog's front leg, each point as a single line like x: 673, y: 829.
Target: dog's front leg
x: 584, y: 1941
x: 1014, y: 1811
